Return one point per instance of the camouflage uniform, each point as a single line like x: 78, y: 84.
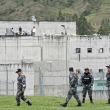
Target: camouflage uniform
x: 87, y: 81
x: 108, y: 84
x: 21, y: 84
x: 73, y: 80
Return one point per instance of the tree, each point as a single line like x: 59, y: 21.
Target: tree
x: 86, y: 12
x: 60, y: 16
x: 83, y: 27
x: 74, y: 17
x: 105, y: 27
x: 101, y: 31
x: 47, y: 2
x: 22, y: 3
x: 35, y: 0
x: 70, y: 2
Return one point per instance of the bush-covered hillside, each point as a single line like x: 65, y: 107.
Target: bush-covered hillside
x: 93, y: 10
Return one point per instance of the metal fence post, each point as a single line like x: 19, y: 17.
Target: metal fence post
x: 13, y: 87
x: 7, y: 80
x: 42, y: 84
x: 0, y: 86
x: 40, y: 80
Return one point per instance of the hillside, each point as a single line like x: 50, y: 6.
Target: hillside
x: 94, y: 10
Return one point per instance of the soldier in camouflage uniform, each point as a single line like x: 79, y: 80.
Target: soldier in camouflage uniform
x: 21, y: 86
x: 87, y: 81
x: 73, y: 80
x: 108, y: 83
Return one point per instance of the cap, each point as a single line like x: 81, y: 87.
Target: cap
x: 71, y: 69
x: 108, y: 66
x: 86, y: 69
x: 18, y: 70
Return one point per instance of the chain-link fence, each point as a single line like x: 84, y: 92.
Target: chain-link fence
x: 45, y: 84
x: 6, y: 86
x: 8, y: 82
x: 55, y: 85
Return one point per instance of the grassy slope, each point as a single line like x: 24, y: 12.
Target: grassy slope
x: 49, y: 103
x: 12, y: 10
x: 96, y: 17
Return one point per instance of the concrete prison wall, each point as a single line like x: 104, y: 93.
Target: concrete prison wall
x: 41, y: 27
x: 49, y: 53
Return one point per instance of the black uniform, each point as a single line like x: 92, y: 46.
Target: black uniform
x: 108, y: 84
x: 20, y: 30
x: 87, y: 81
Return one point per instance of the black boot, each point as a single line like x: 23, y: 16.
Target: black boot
x: 83, y: 101
x: 64, y: 105
x: 29, y: 103
x: 91, y: 101
x: 108, y: 101
x: 79, y: 105
x: 18, y: 104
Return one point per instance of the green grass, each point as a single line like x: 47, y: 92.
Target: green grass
x: 90, y: 16
x: 96, y: 28
x: 106, y: 1
x: 50, y: 103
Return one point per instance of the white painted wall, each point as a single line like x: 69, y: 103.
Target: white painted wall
x: 94, y: 60
x: 13, y: 51
x: 49, y: 53
x: 52, y: 28
x: 26, y: 26
x: 42, y: 27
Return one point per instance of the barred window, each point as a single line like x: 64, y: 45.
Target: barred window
x: 78, y: 50
x: 100, y: 70
x: 89, y: 50
x: 101, y: 50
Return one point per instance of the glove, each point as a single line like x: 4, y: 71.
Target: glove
x: 81, y: 85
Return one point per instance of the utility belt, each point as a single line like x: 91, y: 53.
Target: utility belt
x: 87, y: 83
x: 75, y: 85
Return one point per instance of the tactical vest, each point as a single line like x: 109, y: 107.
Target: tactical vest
x: 86, y: 79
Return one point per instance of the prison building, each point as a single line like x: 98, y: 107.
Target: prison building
x: 41, y: 27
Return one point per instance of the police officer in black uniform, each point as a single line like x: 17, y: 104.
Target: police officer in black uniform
x: 21, y: 86
x: 108, y: 83
x: 87, y: 81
